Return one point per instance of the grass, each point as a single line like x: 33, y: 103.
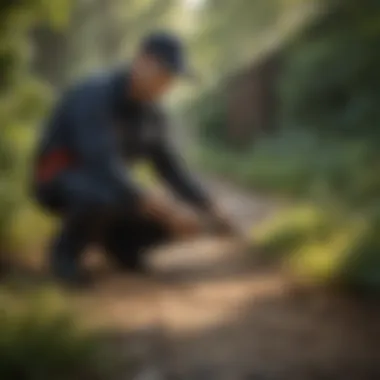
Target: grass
x: 40, y: 339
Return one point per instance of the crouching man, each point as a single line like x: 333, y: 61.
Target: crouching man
x: 98, y: 128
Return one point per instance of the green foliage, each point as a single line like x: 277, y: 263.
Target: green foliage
x: 289, y: 229
x: 300, y: 164
x: 39, y: 341
x: 23, y: 99
x: 209, y: 112
x: 330, y: 81
x: 361, y: 270
x: 324, y: 244
x: 228, y: 25
x: 235, y: 32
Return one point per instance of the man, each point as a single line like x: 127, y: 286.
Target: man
x: 99, y: 126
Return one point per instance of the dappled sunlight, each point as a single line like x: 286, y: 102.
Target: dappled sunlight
x: 207, y: 304
x: 279, y: 121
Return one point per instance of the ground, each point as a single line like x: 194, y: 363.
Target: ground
x: 210, y: 310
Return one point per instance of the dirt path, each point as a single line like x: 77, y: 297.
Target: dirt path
x: 209, y: 312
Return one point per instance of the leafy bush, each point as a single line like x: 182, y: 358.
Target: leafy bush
x: 320, y: 244
x: 362, y: 267
x: 330, y: 83
x: 40, y: 342
x: 288, y: 230
x: 23, y: 100
x: 209, y: 113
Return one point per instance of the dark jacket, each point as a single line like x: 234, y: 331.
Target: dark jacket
x: 96, y: 127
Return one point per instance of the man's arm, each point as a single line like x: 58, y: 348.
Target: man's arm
x: 172, y: 168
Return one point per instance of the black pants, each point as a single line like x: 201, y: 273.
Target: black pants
x: 89, y: 214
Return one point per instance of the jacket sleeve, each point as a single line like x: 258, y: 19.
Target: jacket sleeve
x: 171, y: 166
x: 95, y: 144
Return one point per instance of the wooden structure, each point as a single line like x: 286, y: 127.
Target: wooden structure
x: 252, y: 100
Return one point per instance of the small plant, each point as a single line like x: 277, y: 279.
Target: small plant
x: 37, y: 343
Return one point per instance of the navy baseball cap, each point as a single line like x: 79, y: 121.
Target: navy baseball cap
x: 170, y: 51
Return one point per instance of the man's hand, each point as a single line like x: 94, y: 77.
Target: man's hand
x: 185, y: 225
x: 220, y: 223
x: 181, y: 223
x: 155, y: 207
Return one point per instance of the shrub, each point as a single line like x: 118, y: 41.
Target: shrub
x: 327, y: 245
x: 38, y: 343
